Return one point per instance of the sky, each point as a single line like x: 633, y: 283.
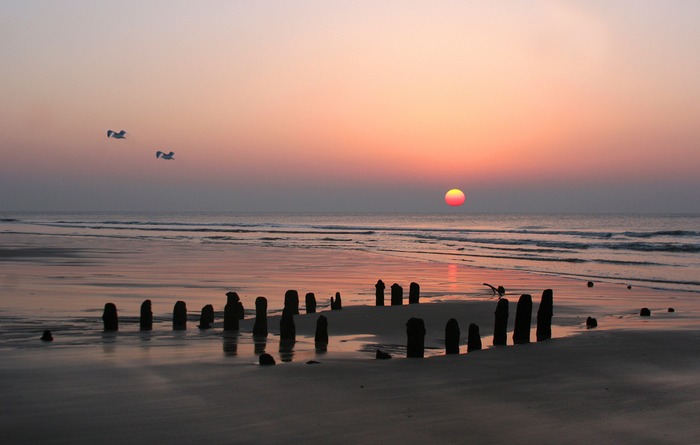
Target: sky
x: 330, y: 106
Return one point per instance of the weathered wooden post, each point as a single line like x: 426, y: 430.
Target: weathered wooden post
x: 379, y: 293
x: 146, y: 318
x: 452, y: 337
x: 473, y: 338
x: 287, y: 327
x: 260, y: 326
x: 321, y: 335
x: 523, y: 318
x: 231, y: 312
x: 591, y: 323
x: 500, y: 328
x: 206, y: 318
x: 413, y: 293
x: 180, y: 316
x: 544, y: 316
x: 396, y: 295
x: 310, y: 303
x: 240, y: 310
x: 338, y: 301
x: 47, y: 336
x: 109, y: 318
x: 291, y: 301
x: 415, y: 333
x: 266, y: 360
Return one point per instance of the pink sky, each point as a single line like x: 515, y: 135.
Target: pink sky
x: 350, y: 105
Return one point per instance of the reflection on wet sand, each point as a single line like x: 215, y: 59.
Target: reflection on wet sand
x: 287, y: 350
x: 109, y: 342
x: 260, y: 343
x: 230, y: 343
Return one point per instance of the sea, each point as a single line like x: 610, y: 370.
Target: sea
x: 57, y: 270
x: 658, y: 251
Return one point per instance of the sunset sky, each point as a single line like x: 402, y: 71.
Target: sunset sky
x: 527, y: 106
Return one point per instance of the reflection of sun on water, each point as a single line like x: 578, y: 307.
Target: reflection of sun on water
x: 452, y: 277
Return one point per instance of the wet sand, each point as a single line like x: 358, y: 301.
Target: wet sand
x: 631, y: 380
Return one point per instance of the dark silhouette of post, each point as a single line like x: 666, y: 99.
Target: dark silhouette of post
x: 47, y: 336
x: 544, y: 316
x: 413, y: 293
x: 415, y: 333
x: 500, y: 327
x: 260, y: 326
x: 109, y: 318
x: 287, y: 328
x: 266, y: 360
x: 645, y: 312
x: 591, y: 323
x: 336, y: 303
x: 473, y: 338
x: 180, y: 316
x: 291, y: 301
x: 310, y: 303
x: 231, y: 311
x: 396, y: 295
x: 381, y: 355
x: 206, y: 318
x: 523, y: 318
x: 209, y: 312
x: 146, y: 318
x: 240, y: 311
x: 321, y: 335
x: 379, y: 292
x: 452, y: 337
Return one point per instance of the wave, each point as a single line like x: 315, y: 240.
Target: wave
x: 656, y: 247
x: 163, y: 225
x: 537, y: 240
x: 678, y: 233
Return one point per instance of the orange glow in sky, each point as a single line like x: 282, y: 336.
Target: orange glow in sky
x: 377, y: 101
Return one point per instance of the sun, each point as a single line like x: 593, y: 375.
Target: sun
x: 454, y: 197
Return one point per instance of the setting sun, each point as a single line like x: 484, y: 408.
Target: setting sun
x: 454, y: 197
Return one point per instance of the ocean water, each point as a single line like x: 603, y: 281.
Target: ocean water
x: 57, y: 270
x: 658, y: 251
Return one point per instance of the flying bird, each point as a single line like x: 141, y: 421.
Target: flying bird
x: 115, y: 135
x: 166, y: 156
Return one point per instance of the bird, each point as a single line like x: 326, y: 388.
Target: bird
x: 500, y: 290
x: 166, y: 156
x: 115, y: 135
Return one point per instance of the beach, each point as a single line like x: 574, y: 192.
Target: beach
x: 635, y: 385
x: 630, y: 380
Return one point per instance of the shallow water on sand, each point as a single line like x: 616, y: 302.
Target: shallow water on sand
x: 61, y: 278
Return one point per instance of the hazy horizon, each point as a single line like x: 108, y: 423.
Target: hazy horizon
x: 325, y: 106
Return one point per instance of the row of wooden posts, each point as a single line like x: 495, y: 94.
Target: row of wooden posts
x: 415, y: 327
x: 233, y: 311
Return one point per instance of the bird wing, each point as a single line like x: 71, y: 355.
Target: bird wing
x: 158, y: 153
x: 109, y: 133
